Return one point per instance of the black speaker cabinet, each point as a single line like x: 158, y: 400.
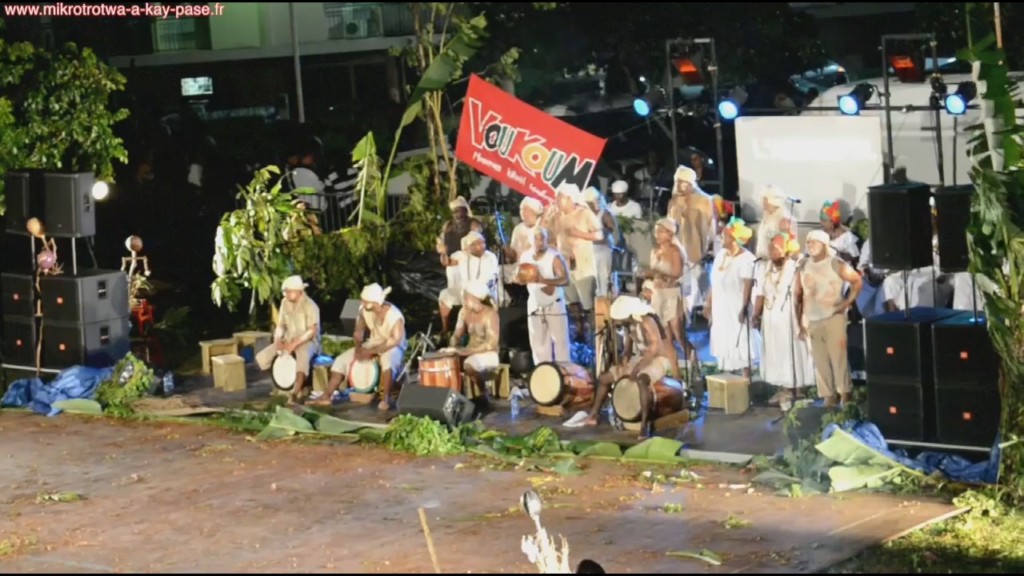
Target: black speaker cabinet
x: 98, y: 344
x: 899, y: 347
x: 69, y: 207
x: 23, y: 192
x: 91, y: 296
x: 967, y: 416
x: 514, y: 331
x: 441, y: 404
x: 902, y: 410
x: 349, y: 315
x: 963, y: 354
x: 20, y: 340
x: 19, y: 294
x: 953, y: 213
x: 901, y: 226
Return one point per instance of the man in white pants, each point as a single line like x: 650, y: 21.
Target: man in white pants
x: 694, y: 213
x: 602, y: 248
x: 548, y: 320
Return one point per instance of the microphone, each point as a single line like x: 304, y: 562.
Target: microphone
x: 794, y: 200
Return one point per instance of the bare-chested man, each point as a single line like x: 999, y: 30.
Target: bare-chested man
x: 478, y: 319
x: 694, y: 213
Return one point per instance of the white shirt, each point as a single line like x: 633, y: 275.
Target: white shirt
x: 631, y: 210
x: 483, y: 268
x: 546, y: 269
x: 522, y: 239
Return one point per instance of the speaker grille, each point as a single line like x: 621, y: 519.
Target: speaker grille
x: 953, y: 212
x: 901, y: 226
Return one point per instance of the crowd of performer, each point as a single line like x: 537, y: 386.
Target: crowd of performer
x: 778, y: 306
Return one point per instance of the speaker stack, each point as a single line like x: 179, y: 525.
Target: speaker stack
x: 933, y: 373
x: 82, y: 315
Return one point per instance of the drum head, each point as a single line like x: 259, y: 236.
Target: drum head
x: 626, y: 400
x: 284, y: 370
x: 364, y: 376
x: 546, y: 384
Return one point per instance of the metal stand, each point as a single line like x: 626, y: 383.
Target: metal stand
x: 792, y: 342
x: 713, y: 71
x: 888, y: 97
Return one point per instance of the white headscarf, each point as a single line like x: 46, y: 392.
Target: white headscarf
x: 293, y: 283
x: 819, y: 236
x: 774, y: 196
x: 620, y: 187
x: 594, y: 195
x: 686, y: 174
x: 629, y: 307
x: 533, y: 204
x: 468, y: 239
x: 460, y: 202
x: 572, y: 191
x: 374, y: 294
x: 477, y: 289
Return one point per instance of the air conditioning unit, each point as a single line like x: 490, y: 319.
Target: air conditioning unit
x: 356, y: 22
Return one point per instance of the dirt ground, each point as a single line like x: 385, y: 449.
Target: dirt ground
x: 190, y: 498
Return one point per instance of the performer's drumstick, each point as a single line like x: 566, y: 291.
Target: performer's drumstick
x: 430, y: 541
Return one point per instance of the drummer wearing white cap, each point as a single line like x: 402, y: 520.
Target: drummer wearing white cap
x: 386, y: 344
x: 297, y: 333
x: 478, y: 319
x: 621, y: 204
x: 821, y: 309
x: 475, y: 262
x: 694, y: 212
x: 658, y: 357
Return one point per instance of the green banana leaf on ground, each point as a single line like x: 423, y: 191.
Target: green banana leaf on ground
x: 859, y: 466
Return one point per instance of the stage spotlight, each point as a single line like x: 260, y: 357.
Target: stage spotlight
x: 851, y: 104
x: 728, y: 110
x: 956, y: 103
x: 650, y: 102
x: 100, y: 190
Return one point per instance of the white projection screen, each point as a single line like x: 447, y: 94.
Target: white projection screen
x: 811, y: 158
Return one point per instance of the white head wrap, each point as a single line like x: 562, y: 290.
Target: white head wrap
x: 477, y: 289
x: 459, y: 202
x: 473, y: 236
x: 374, y: 294
x: 293, y: 283
x: 594, y: 195
x: 686, y: 174
x: 572, y: 191
x: 774, y: 196
x: 819, y: 236
x: 533, y: 204
x: 620, y: 187
x: 629, y: 307
x: 648, y: 285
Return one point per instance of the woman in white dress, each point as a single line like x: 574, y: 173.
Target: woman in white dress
x: 775, y: 317
x: 732, y: 284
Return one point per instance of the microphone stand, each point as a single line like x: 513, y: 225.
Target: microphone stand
x: 792, y: 341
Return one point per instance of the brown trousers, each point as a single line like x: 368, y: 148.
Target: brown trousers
x: 827, y: 339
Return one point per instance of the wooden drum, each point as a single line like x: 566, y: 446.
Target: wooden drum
x: 441, y: 370
x: 364, y: 376
x: 284, y: 371
x: 563, y: 383
x: 668, y: 399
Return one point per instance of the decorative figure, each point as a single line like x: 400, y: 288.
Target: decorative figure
x: 130, y: 265
x: 46, y: 259
x: 541, y: 549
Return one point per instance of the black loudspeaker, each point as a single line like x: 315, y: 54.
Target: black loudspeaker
x: 92, y: 296
x: 953, y: 212
x: 901, y: 226
x: 70, y: 211
x: 349, y: 315
x: 20, y: 340
x: 967, y: 401
x: 855, y: 350
x: 901, y: 384
x: 441, y: 404
x: 98, y: 344
x: 19, y: 294
x: 514, y: 331
x: 24, y: 196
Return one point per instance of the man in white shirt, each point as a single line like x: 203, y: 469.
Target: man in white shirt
x: 578, y: 229
x: 473, y: 262
x: 530, y: 211
x: 621, y: 205
x: 548, y: 320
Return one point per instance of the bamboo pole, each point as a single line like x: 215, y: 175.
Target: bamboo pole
x: 999, y: 25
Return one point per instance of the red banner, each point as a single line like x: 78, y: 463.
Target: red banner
x: 521, y: 146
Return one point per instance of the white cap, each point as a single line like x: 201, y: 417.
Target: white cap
x: 533, y: 204
x: 819, y: 236
x: 374, y: 294
x: 592, y: 194
x: 620, y: 187
x: 293, y: 283
x: 629, y: 307
x: 473, y: 236
x: 774, y: 196
x: 478, y: 289
x: 686, y: 174
x: 572, y: 191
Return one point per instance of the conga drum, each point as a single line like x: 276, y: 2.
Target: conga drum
x: 284, y: 371
x: 560, y: 384
x: 364, y: 376
x: 668, y: 399
x: 526, y: 273
x: 441, y: 370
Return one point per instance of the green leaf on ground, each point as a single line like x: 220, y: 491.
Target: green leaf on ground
x: 79, y: 406
x: 705, y: 555
x: 655, y: 449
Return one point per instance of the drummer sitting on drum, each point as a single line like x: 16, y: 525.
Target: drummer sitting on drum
x: 658, y: 359
x: 386, y: 345
x: 297, y: 333
x: 479, y: 319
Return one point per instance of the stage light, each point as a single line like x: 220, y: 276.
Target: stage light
x: 956, y: 103
x: 688, y: 71
x: 907, y: 69
x: 100, y: 190
x: 728, y: 110
x: 650, y: 102
x: 851, y: 104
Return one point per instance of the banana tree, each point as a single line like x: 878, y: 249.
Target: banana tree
x: 996, y: 241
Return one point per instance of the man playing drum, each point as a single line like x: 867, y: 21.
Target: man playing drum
x: 387, y: 344
x: 478, y: 318
x: 297, y: 333
x: 658, y: 357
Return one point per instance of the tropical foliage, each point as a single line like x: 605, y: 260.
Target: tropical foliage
x: 54, y: 111
x: 996, y: 239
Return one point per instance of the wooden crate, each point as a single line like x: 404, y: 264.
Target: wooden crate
x: 321, y: 376
x: 729, y: 392
x: 229, y: 372
x: 211, y: 348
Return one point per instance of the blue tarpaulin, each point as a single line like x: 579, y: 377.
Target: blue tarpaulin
x: 956, y: 468
x: 77, y: 382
